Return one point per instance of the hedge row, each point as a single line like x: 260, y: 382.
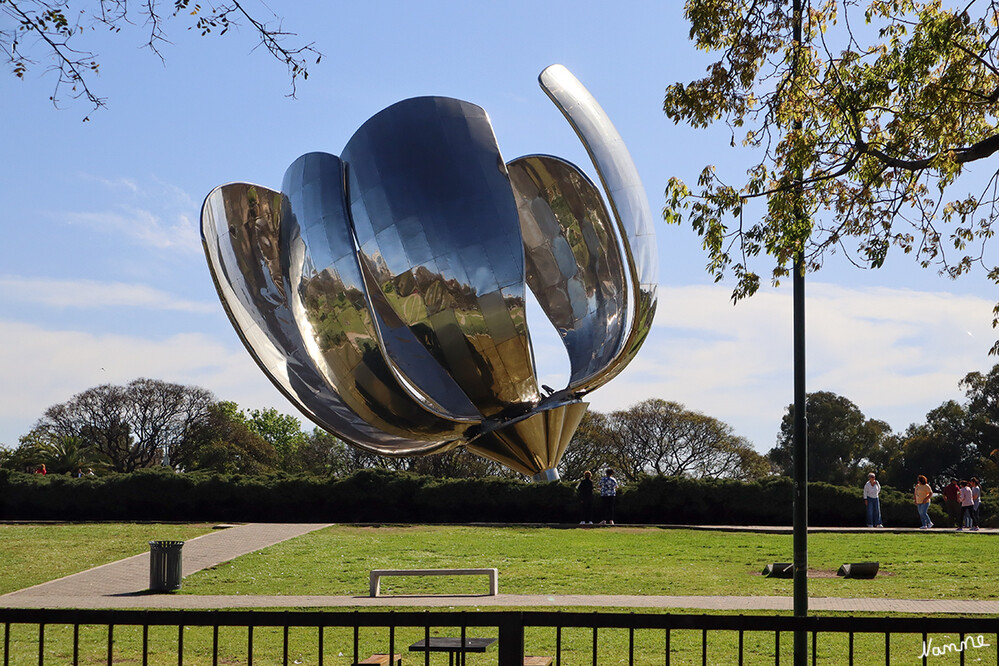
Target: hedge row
x: 383, y: 496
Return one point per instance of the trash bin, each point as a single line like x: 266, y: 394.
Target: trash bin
x: 165, y: 565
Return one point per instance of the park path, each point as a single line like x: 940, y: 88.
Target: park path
x: 123, y: 584
x: 111, y: 585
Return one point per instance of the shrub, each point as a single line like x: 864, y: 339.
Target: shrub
x: 376, y: 495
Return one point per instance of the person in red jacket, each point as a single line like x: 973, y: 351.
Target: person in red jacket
x: 952, y: 493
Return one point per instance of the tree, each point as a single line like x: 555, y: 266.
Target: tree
x: 840, y: 439
x: 135, y: 426
x: 55, y: 32
x: 325, y: 454
x: 662, y: 437
x: 222, y: 442
x: 61, y: 455
x: 894, y: 100
x: 752, y: 465
x: 956, y: 440
x: 943, y: 447
x: 982, y: 392
x: 458, y: 464
x: 281, y: 431
x: 938, y: 448
x: 591, y: 448
x: 889, y: 459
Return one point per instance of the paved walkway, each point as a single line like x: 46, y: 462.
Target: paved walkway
x: 123, y: 584
x: 117, y: 583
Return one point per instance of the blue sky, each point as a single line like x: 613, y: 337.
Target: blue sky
x: 103, y: 279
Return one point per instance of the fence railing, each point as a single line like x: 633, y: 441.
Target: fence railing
x: 69, y: 636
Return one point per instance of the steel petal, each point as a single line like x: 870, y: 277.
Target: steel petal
x: 241, y: 232
x: 628, y: 203
x: 573, y: 262
x: 437, y: 227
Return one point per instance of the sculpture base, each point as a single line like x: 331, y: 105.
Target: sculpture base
x: 546, y: 475
x: 533, y: 444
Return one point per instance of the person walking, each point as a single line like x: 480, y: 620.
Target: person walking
x: 967, y: 506
x: 871, y: 491
x: 923, y: 494
x: 952, y: 493
x: 976, y: 499
x: 585, y: 493
x: 608, y: 491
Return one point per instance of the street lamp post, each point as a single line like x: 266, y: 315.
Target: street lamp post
x: 800, y: 436
x: 800, y: 444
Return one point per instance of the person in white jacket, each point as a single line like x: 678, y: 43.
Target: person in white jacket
x: 871, y: 491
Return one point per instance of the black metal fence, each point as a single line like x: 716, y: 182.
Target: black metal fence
x: 52, y: 636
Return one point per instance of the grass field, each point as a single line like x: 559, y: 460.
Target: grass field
x: 531, y: 561
x: 640, y: 561
x: 35, y: 553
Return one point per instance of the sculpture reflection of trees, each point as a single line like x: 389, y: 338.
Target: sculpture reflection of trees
x: 896, y: 99
x: 57, y: 36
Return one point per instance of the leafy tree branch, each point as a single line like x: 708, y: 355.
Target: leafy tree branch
x: 897, y: 98
x: 53, y: 34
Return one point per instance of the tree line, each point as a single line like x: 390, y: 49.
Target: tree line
x: 149, y: 423
x: 957, y: 440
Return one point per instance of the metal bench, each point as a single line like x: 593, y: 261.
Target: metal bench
x: 374, y: 584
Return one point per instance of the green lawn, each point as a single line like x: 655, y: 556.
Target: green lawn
x: 35, y: 553
x: 641, y: 561
x: 531, y: 561
x: 649, y: 561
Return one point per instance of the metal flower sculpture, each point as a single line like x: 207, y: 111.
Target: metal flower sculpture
x: 383, y: 291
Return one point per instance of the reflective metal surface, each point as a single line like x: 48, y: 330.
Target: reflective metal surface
x: 383, y: 292
x: 437, y: 227
x: 628, y: 202
x: 573, y: 263
x: 241, y: 230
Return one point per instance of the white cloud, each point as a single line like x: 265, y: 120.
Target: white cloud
x: 150, y: 212
x: 114, y: 183
x: 93, y: 294
x: 43, y: 367
x: 896, y: 353
x: 142, y: 226
x: 157, y: 190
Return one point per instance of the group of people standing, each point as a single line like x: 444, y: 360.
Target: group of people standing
x: 961, y: 499
x: 607, y: 485
x: 963, y: 502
